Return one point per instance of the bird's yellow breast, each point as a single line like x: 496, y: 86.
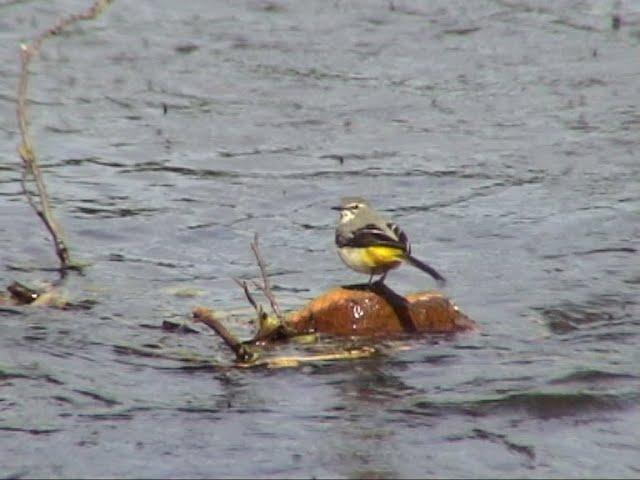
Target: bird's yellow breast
x: 375, y: 259
x: 381, y: 255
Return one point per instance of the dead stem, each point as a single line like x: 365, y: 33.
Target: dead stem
x: 204, y: 315
x: 265, y: 287
x: 242, y: 284
x: 32, y: 172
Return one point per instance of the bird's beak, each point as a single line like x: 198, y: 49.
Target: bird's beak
x: 337, y: 208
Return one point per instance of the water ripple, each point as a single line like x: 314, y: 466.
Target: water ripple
x: 543, y: 405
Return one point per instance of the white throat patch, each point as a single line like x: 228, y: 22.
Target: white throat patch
x: 346, y: 215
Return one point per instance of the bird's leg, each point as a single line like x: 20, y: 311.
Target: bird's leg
x: 381, y: 279
x: 370, y: 281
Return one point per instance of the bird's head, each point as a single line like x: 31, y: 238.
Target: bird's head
x: 350, y: 206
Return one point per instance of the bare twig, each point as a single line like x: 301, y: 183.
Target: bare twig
x: 265, y: 287
x: 204, y: 315
x: 242, y: 284
x: 32, y: 172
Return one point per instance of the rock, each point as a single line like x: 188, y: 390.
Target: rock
x: 378, y: 311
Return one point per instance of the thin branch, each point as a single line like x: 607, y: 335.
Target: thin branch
x: 242, y: 284
x: 265, y: 287
x: 32, y: 172
x: 204, y: 315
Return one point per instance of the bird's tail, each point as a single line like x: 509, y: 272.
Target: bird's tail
x: 427, y: 269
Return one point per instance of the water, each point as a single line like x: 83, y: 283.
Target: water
x: 502, y: 136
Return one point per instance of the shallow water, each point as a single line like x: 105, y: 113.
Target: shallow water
x: 503, y: 137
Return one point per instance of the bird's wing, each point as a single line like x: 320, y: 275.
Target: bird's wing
x: 371, y: 235
x: 402, y: 237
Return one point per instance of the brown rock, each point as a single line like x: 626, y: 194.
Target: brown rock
x: 379, y: 311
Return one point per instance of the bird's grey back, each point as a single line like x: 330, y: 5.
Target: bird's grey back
x: 364, y: 217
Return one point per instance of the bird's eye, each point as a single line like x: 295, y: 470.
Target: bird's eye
x: 356, y: 206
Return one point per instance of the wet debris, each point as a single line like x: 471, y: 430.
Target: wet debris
x: 357, y: 311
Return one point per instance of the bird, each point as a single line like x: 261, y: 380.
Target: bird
x: 369, y: 243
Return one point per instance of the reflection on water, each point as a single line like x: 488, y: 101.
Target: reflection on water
x: 501, y: 135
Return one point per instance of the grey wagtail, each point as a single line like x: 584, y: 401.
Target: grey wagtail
x: 369, y: 243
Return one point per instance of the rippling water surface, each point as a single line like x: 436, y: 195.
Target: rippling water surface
x: 502, y: 135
